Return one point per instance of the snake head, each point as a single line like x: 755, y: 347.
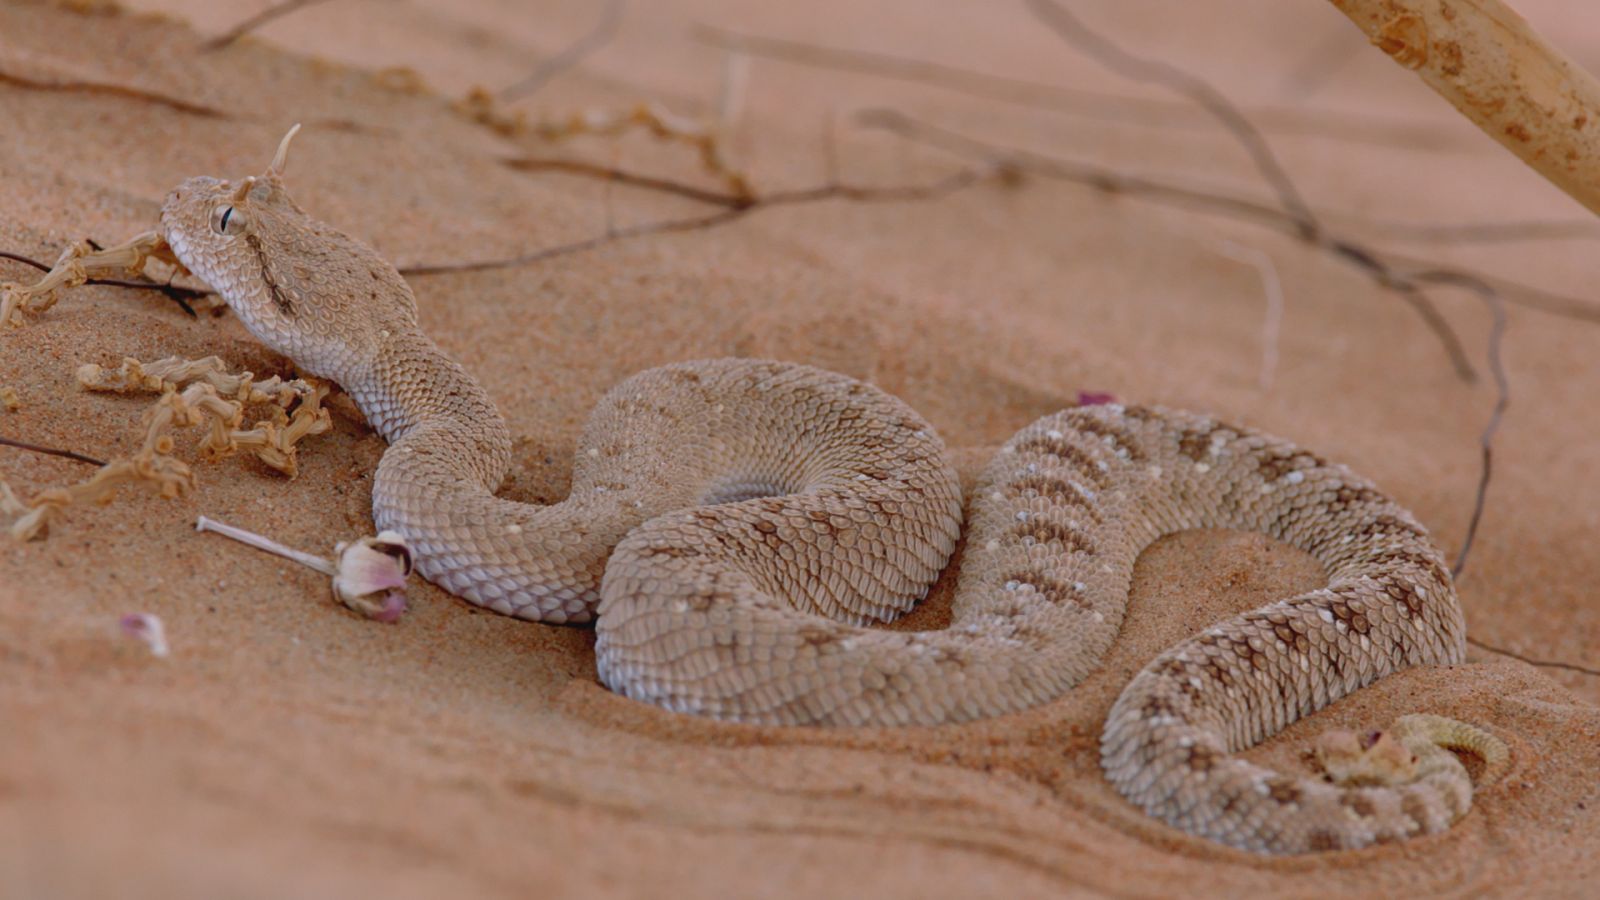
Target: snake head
x: 303, y: 288
x: 1374, y: 758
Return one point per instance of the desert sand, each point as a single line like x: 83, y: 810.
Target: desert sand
x: 288, y: 747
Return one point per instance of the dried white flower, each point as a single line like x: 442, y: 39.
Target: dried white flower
x: 372, y: 575
x: 369, y: 577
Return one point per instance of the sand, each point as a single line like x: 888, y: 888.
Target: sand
x: 290, y: 748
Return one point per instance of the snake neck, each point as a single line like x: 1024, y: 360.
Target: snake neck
x: 449, y: 449
x: 419, y: 398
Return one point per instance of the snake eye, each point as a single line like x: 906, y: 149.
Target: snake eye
x: 228, y: 220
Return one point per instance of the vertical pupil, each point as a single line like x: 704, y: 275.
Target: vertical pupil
x: 226, y: 215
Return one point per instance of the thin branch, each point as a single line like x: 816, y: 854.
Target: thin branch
x: 1071, y: 29
x: 1101, y: 106
x: 1337, y: 49
x: 632, y: 179
x: 276, y: 11
x: 1517, y: 293
x: 1272, y: 287
x: 176, y: 293
x: 537, y: 256
x: 860, y: 194
x: 177, y: 104
x: 1502, y: 385
x: 50, y: 451
x: 114, y: 90
x: 598, y: 36
x: 1423, y: 306
x: 1112, y: 181
x: 1486, y: 232
x: 1116, y: 182
x: 1241, y: 209
x: 1542, y: 663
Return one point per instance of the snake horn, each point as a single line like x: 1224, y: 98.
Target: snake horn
x: 283, y: 151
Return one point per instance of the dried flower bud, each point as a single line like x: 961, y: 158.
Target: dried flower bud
x: 369, y: 575
x: 372, y: 575
x: 1095, y: 398
x: 146, y: 628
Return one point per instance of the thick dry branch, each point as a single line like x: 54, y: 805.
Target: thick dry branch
x: 1483, y: 58
x: 597, y: 37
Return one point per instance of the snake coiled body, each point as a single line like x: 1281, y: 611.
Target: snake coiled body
x: 734, y: 525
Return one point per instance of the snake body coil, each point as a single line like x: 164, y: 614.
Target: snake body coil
x: 734, y: 525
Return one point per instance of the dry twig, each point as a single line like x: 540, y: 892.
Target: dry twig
x: 212, y: 396
x: 51, y: 451
x: 276, y: 11
x: 1198, y: 90
x: 735, y: 210
x: 176, y: 104
x: 204, y: 391
x: 1097, y: 105
x: 175, y: 293
x: 1113, y: 181
x: 597, y: 37
x: 1272, y: 288
x: 1533, y: 661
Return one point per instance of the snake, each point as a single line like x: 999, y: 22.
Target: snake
x: 735, y: 527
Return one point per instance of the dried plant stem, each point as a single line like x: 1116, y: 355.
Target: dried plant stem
x: 1272, y: 321
x: 51, y: 451
x: 177, y: 104
x: 1071, y: 29
x: 1542, y: 663
x: 614, y: 175
x: 1502, y: 385
x: 736, y: 209
x: 325, y: 566
x: 1054, y: 98
x: 1112, y: 181
x: 1485, y: 59
x: 214, y: 396
x: 276, y: 11
x: 597, y: 37
x: 178, y: 295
